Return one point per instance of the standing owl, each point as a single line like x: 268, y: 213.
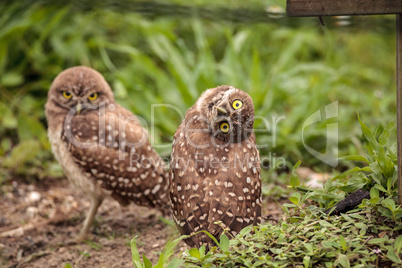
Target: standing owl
x: 215, y: 182
x: 102, y: 147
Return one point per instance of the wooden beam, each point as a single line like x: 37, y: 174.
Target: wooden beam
x: 399, y: 101
x: 306, y: 8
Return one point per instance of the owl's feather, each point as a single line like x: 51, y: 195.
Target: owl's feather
x: 119, y: 156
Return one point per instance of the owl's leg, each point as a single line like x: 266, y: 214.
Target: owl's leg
x: 96, y: 202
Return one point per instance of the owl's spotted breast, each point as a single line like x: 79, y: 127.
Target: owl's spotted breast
x: 72, y: 170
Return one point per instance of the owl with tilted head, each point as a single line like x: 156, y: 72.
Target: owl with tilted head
x: 102, y: 147
x: 215, y: 182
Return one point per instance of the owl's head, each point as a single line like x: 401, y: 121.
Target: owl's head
x: 80, y: 88
x: 229, y: 112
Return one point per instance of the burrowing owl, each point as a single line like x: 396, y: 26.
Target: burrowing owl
x: 102, y: 147
x: 215, y: 168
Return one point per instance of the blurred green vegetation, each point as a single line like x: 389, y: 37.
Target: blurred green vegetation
x: 290, y: 67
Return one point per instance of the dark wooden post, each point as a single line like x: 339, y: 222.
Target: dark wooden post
x: 398, y: 100
x: 308, y: 8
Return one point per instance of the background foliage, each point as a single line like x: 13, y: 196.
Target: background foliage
x: 291, y: 68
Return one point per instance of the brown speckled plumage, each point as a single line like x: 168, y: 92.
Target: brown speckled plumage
x: 102, y: 148
x: 215, y: 176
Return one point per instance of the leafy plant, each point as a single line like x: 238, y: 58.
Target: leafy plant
x: 195, y: 254
x: 163, y: 258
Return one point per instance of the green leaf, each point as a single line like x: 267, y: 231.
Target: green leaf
x: 377, y: 241
x: 175, y: 263
x: 210, y: 236
x: 120, y: 91
x: 135, y: 254
x: 29, y: 127
x: 294, y: 181
x: 398, y: 244
x: 224, y: 243
x: 246, y: 230
x: 374, y: 200
x: 276, y: 250
x: 393, y: 257
x: 202, y: 251
x: 296, y: 166
x: 389, y: 185
x: 366, y: 169
x: 369, y: 136
x: 194, y: 252
x: 295, y: 198
x: 21, y: 154
x: 309, y: 248
x: 168, y: 250
x: 343, y: 260
x: 389, y: 203
x: 379, y: 187
x: 12, y: 79
x: 374, y: 193
x: 362, y: 227
x: 342, y: 242
x: 346, y: 173
x: 383, y: 139
x: 306, y: 261
x: 9, y: 120
x: 147, y: 263
x: 355, y: 158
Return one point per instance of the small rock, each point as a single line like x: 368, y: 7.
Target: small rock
x: 62, y: 250
x: 34, y: 196
x: 32, y: 212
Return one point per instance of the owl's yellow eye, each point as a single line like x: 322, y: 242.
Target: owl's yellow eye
x: 237, y: 104
x: 93, y: 96
x: 224, y: 127
x: 67, y: 95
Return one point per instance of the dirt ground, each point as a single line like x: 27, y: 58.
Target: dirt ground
x: 38, y: 221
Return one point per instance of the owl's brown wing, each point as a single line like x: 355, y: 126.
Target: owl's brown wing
x: 187, y: 193
x: 113, y: 148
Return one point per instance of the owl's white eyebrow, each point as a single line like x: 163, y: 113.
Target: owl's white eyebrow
x: 90, y: 87
x: 230, y: 92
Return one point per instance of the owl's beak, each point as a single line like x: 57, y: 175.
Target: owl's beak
x: 221, y: 110
x: 78, y: 108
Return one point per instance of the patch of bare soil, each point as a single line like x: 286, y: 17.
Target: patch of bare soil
x: 37, y: 222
